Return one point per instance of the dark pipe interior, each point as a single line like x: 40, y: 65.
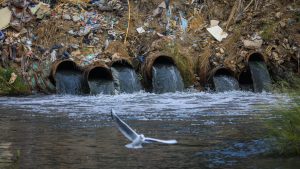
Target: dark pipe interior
x: 245, y: 78
x: 223, y: 71
x: 121, y: 64
x: 65, y: 65
x: 164, y: 60
x: 100, y: 73
x: 256, y: 57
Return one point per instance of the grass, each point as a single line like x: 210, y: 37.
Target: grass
x: 286, y: 128
x: 183, y: 62
x: 16, y: 88
x: 268, y: 30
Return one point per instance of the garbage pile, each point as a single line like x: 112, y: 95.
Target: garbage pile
x: 36, y: 33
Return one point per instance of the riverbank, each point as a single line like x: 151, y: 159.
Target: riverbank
x: 103, y: 32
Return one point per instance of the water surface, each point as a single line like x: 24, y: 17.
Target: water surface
x: 214, y: 130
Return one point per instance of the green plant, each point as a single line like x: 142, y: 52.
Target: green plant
x: 285, y: 128
x: 268, y: 30
x: 18, y: 87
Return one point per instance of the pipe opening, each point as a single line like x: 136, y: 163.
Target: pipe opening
x: 224, y: 80
x: 245, y: 80
x: 223, y: 71
x: 165, y: 76
x: 125, y: 78
x: 166, y: 60
x: 67, y: 78
x: 256, y: 57
x: 121, y: 63
x: 99, y: 73
x: 62, y: 66
x: 100, y: 80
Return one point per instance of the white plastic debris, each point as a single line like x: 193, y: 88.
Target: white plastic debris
x: 53, y: 56
x: 5, y: 17
x: 140, y: 30
x: 13, y: 78
x: 214, y: 23
x: 184, y: 22
x: 217, y: 32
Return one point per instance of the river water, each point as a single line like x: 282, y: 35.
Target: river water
x: 213, y: 130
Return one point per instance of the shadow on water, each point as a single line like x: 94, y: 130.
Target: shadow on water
x: 166, y: 78
x: 125, y: 79
x: 260, y: 76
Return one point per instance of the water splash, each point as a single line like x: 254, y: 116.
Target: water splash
x: 125, y: 79
x: 145, y: 106
x: 166, y: 78
x: 224, y: 83
x: 69, y: 82
x: 260, y: 76
x: 101, y: 86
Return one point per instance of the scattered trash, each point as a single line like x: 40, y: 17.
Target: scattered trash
x: 252, y: 44
x: 5, y: 18
x: 255, y: 42
x: 2, y: 36
x: 214, y: 23
x: 140, y: 30
x: 13, y: 78
x: 217, y: 32
x: 184, y: 23
x: 33, y: 33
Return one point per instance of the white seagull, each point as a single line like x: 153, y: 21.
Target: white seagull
x: 137, y: 139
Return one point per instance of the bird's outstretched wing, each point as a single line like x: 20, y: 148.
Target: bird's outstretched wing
x: 153, y: 140
x: 127, y: 131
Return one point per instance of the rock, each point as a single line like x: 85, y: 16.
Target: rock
x: 107, y: 60
x: 218, y: 55
x: 222, y: 50
x: 282, y: 24
x: 66, y: 17
x: 76, y: 18
x: 253, y: 44
x: 278, y: 15
x: 243, y: 54
x: 214, y: 23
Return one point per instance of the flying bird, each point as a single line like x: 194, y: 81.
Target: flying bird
x: 130, y: 134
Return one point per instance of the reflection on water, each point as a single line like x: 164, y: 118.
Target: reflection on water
x: 213, y: 130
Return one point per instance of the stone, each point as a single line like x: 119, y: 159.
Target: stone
x: 66, y: 17
x: 282, y: 24
x: 253, y: 44
x: 76, y: 18
x: 222, y: 50
x: 278, y: 15
x: 214, y: 23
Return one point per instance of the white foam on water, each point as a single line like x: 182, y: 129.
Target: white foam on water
x: 145, y: 106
